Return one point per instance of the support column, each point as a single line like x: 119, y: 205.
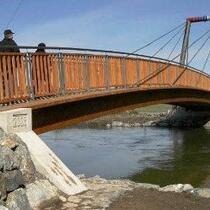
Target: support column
x: 19, y: 121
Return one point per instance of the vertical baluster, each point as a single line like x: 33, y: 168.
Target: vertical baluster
x: 124, y: 75
x: 106, y: 72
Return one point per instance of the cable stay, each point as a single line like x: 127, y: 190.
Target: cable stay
x: 206, y: 61
x: 148, y: 77
x: 175, y: 46
x: 155, y: 40
x: 164, y: 45
x: 192, y: 59
x: 14, y: 14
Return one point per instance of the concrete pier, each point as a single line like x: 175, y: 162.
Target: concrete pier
x: 19, y: 121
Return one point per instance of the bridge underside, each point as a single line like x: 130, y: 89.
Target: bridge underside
x: 67, y: 111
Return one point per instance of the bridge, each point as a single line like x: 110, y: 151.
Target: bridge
x: 66, y: 86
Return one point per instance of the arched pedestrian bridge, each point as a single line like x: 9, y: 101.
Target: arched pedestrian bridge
x: 68, y: 87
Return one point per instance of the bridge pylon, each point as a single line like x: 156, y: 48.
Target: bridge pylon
x: 185, y: 45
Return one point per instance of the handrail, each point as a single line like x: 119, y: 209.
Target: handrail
x: 123, y: 53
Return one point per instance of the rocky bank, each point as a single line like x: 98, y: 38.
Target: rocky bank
x: 23, y: 188
x: 126, y: 119
x: 178, y: 117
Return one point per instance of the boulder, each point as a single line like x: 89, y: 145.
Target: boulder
x: 40, y: 191
x: 9, y: 142
x: 2, y: 134
x: 117, y: 124
x: 26, y: 164
x: 8, y: 159
x: 13, y: 180
x: 177, y: 188
x: 3, y: 191
x: 3, y: 208
x: 203, y: 192
x: 17, y: 200
x: 148, y: 186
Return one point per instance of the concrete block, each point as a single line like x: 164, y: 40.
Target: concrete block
x: 48, y: 164
x: 17, y: 120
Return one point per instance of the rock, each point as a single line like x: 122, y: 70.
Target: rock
x: 26, y: 165
x: 148, y: 124
x: 3, y: 191
x: 108, y: 125
x: 62, y: 198
x: 176, y: 188
x: 13, y: 180
x: 81, y: 176
x: 17, y: 200
x: 9, y: 142
x: 148, y: 186
x: 3, y: 208
x: 2, y: 134
x: 204, y: 192
x: 74, y: 199
x: 126, y: 125
x: 8, y: 159
x: 117, y: 124
x: 40, y: 191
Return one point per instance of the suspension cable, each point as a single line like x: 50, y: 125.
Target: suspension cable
x: 148, y: 77
x: 206, y: 61
x: 191, y: 59
x: 204, y: 66
x: 164, y: 45
x: 150, y: 43
x: 173, y: 49
x: 14, y: 14
x: 199, y: 50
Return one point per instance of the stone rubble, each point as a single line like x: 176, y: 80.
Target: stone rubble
x: 125, y: 120
x: 101, y: 193
x: 21, y: 187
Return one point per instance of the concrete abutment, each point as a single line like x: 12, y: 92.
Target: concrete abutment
x: 19, y: 121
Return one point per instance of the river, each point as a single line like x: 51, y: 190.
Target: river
x: 155, y: 155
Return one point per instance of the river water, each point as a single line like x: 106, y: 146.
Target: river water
x: 155, y: 155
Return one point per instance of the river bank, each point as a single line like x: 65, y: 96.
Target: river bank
x: 126, y: 119
x: 125, y: 194
x: 156, y: 115
x: 23, y: 188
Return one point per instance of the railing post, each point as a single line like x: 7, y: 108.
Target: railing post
x: 137, y: 71
x: 149, y: 73
x: 106, y: 72
x: 160, y: 74
x: 124, y: 75
x: 29, y: 75
x: 61, y: 74
x: 86, y: 73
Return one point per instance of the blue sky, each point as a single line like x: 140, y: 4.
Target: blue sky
x: 103, y: 24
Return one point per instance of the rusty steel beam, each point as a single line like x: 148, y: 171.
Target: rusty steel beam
x: 50, y: 118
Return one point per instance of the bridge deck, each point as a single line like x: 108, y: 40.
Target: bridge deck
x: 67, y: 88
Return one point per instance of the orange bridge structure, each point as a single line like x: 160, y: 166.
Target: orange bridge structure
x: 70, y: 87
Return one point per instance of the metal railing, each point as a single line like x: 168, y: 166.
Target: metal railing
x: 31, y: 75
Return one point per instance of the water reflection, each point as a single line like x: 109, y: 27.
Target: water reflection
x: 190, y: 162
x: 160, y: 156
